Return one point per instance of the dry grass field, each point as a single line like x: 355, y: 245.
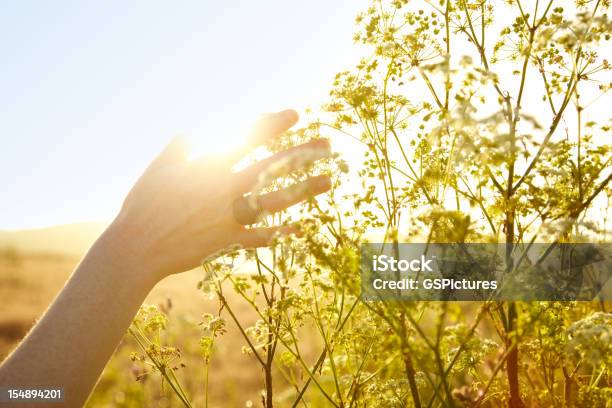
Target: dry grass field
x: 29, y: 282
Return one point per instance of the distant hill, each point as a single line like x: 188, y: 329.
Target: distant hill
x: 68, y: 240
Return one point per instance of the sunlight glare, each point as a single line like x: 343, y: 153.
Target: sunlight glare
x: 220, y: 138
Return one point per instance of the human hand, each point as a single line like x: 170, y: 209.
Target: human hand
x: 181, y: 211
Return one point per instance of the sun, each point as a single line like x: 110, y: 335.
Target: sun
x: 220, y: 138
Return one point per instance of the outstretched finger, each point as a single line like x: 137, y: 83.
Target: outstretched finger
x: 282, y: 199
x: 268, y: 126
x: 282, y: 163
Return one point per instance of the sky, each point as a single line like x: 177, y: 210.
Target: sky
x: 90, y: 92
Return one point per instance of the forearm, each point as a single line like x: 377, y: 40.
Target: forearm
x: 69, y: 347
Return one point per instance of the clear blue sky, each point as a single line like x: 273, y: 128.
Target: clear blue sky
x: 91, y: 91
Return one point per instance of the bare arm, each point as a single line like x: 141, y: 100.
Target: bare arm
x: 178, y: 213
x: 70, y: 345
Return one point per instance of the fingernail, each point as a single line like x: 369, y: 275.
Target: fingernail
x: 289, y: 115
x: 320, y: 146
x: 320, y: 184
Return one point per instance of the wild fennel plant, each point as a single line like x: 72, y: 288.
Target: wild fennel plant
x: 465, y: 121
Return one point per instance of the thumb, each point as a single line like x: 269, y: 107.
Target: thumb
x: 176, y: 151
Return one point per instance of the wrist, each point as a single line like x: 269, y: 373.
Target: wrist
x: 117, y: 248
